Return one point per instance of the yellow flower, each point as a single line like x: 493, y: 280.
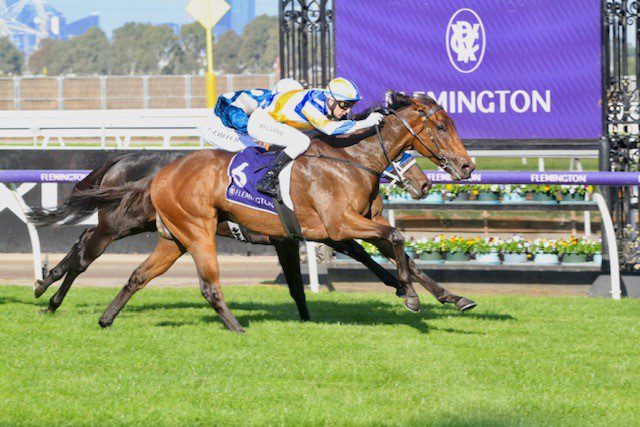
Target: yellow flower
x: 475, y: 192
x: 590, y: 188
x: 547, y: 188
x: 449, y: 187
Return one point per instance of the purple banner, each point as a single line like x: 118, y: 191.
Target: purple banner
x: 502, y: 69
x: 9, y: 176
x: 490, y: 177
x: 564, y: 178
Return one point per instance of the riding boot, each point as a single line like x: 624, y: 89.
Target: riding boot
x: 269, y: 183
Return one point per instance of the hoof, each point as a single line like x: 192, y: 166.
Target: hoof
x: 401, y: 292
x: 39, y: 288
x: 465, y: 304
x: 412, y: 303
x: 104, y: 324
x: 47, y: 310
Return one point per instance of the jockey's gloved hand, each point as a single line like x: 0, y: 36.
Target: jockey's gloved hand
x: 373, y: 120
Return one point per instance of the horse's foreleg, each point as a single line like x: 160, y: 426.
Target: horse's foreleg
x: 388, y: 240
x: 354, y: 250
x: 289, y: 256
x: 441, y: 294
x: 166, y: 253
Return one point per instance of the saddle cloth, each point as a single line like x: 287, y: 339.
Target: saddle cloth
x: 245, y: 170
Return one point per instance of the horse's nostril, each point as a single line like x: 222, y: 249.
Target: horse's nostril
x: 425, y: 188
x: 466, y: 168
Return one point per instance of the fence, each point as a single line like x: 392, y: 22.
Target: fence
x: 119, y: 92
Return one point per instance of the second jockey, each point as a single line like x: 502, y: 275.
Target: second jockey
x: 281, y: 119
x: 233, y: 110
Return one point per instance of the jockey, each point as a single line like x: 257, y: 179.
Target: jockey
x: 233, y: 110
x: 281, y: 120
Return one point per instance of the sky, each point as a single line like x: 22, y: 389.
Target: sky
x: 114, y: 13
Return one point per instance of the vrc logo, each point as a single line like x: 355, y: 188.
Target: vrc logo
x: 466, y: 40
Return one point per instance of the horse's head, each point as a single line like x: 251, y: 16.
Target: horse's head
x: 432, y: 133
x: 406, y: 173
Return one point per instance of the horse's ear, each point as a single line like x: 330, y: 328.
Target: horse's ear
x: 388, y: 98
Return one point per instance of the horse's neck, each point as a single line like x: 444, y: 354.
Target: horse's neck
x: 369, y: 152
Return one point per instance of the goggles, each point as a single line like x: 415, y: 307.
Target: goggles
x: 346, y: 104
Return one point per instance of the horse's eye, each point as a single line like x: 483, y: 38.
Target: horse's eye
x: 440, y: 127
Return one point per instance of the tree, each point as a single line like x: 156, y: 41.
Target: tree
x: 225, y: 54
x: 259, y: 48
x: 87, y: 53
x: 144, y: 48
x: 11, y: 59
x: 84, y: 54
x: 194, y: 44
x: 46, y: 57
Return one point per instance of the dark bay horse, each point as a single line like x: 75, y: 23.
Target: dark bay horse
x: 334, y: 200
x: 117, y: 224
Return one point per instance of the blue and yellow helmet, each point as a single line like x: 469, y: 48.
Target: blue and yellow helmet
x: 342, y: 89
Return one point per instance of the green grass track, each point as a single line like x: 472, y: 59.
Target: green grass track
x: 364, y: 359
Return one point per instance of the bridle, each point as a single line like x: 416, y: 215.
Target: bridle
x: 396, y: 170
x: 425, y: 115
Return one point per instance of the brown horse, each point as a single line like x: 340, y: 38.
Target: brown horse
x: 334, y: 194
x: 117, y: 223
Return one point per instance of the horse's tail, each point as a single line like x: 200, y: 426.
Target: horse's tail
x: 82, y: 204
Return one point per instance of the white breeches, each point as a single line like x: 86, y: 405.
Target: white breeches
x: 219, y: 136
x: 264, y: 128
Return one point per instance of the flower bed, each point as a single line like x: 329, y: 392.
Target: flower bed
x: 494, y: 193
x: 492, y: 250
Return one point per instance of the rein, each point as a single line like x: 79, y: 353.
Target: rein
x: 345, y: 161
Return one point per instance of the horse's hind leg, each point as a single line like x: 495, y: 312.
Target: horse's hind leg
x: 289, y: 256
x: 57, y: 272
x: 89, y: 248
x: 166, y: 253
x: 204, y: 254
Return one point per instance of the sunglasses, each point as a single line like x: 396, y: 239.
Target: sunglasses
x: 346, y: 104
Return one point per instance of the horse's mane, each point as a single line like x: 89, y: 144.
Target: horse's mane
x: 395, y: 100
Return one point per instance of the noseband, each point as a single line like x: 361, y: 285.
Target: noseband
x: 396, y: 170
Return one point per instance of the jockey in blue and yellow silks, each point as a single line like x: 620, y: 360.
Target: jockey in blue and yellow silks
x: 281, y: 120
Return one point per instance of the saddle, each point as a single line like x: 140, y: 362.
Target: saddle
x: 245, y: 170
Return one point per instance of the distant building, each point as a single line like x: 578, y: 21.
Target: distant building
x: 175, y: 27
x: 80, y: 26
x: 26, y: 22
x: 241, y: 13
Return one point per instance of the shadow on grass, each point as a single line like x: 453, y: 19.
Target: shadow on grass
x: 33, y: 302
x: 370, y: 312
x: 328, y: 312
